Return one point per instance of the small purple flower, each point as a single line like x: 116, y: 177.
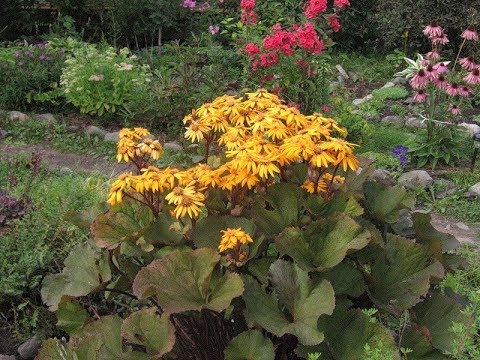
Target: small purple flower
x: 400, y: 152
x: 29, y: 54
x: 62, y: 52
x: 214, y: 29
x: 17, y: 54
x: 42, y: 57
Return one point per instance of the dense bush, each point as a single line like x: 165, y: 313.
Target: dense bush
x: 261, y: 251
x: 103, y: 81
x: 27, y: 73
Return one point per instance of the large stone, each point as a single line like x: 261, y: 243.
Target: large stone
x: 95, y: 131
x: 7, y: 357
x: 474, y: 191
x: 383, y: 177
x: 394, y: 120
x: 46, y: 118
x: 342, y: 72
x: 173, y: 146
x: 112, y: 136
x: 416, y: 179
x: 18, y: 116
x: 357, y: 102
x: 400, y: 81
x: 388, y: 85
x: 470, y: 128
x: 29, y: 349
x: 353, y: 76
x: 415, y: 122
x: 409, y: 101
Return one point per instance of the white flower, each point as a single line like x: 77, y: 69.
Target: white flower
x: 96, y: 78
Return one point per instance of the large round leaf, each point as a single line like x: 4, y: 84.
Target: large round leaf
x: 250, y: 345
x: 187, y: 280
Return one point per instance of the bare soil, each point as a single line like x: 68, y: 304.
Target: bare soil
x: 55, y: 159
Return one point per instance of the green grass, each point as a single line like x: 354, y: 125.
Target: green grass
x: 370, y: 68
x: 39, y: 242
x: 456, y: 205
x: 382, y: 138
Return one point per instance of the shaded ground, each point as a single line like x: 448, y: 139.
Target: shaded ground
x: 59, y: 160
x: 8, y: 345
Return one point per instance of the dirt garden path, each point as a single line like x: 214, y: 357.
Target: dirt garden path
x: 55, y: 159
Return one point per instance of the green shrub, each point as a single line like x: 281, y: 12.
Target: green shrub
x: 103, y: 81
x: 27, y: 73
x: 392, y: 93
x: 384, y: 161
x: 383, y: 138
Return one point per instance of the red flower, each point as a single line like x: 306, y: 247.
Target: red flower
x: 341, y: 3
x: 249, y: 17
x: 280, y: 40
x: 247, y: 5
x: 268, y: 59
x: 308, y: 39
x: 252, y: 49
x: 325, y: 108
x: 334, y: 22
x: 315, y: 7
x: 265, y: 78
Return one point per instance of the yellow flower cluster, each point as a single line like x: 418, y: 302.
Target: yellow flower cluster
x: 233, y: 239
x: 135, y: 143
x: 260, y: 136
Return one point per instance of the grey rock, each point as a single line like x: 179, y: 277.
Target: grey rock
x: 3, y: 134
x: 415, y: 122
x: 388, y: 85
x: 353, y: 76
x: 342, y: 72
x: 95, y: 131
x: 173, y: 146
x: 474, y: 191
x: 7, y: 357
x: 18, y: 116
x: 416, y: 179
x: 371, y: 117
x: 409, y: 101
x: 357, y: 102
x: 393, y: 119
x: 46, y: 118
x: 383, y: 177
x: 470, y: 128
x: 197, y: 158
x: 334, y: 85
x: 66, y: 170
x: 462, y: 226
x: 112, y: 136
x: 400, y: 81
x: 29, y: 349
x: 341, y: 80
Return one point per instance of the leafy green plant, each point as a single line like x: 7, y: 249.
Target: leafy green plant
x: 28, y: 73
x: 442, y: 147
x: 398, y: 110
x: 383, y: 138
x: 103, y: 81
x: 384, y: 161
x: 390, y: 93
x: 257, y: 270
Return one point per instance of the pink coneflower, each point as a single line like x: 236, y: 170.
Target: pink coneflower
x: 464, y: 91
x: 473, y: 77
x: 420, y: 96
x: 452, y: 89
x: 440, y: 40
x: 441, y: 68
x: 419, y: 80
x: 214, y: 29
x: 424, y: 63
x: 454, y: 109
x: 441, y: 82
x: 433, y: 30
x: 468, y: 63
x: 431, y: 73
x: 433, y: 55
x: 470, y: 33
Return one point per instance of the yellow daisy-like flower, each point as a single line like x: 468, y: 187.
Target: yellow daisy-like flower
x: 310, y: 186
x: 150, y: 147
x: 191, y: 206
x: 196, y: 131
x: 233, y: 238
x: 123, y: 183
